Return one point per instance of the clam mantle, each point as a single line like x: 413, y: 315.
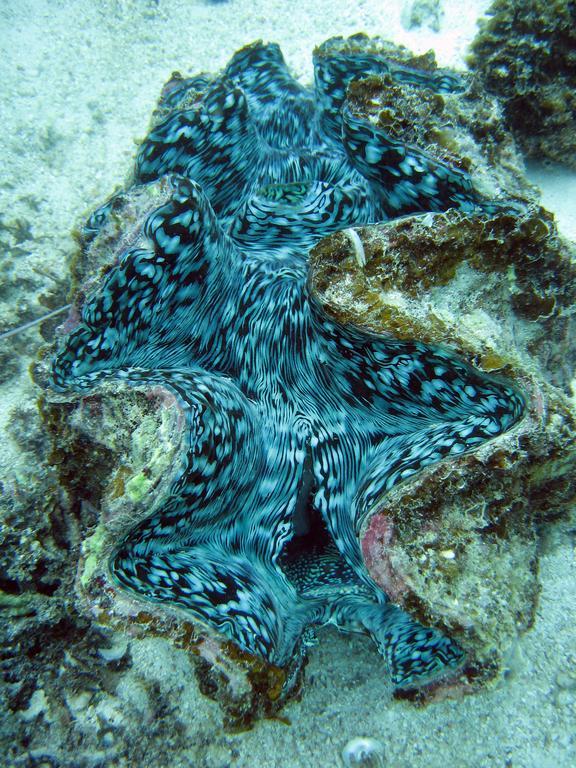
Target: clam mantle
x: 293, y: 425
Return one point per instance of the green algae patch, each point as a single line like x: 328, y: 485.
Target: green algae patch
x: 92, y: 548
x: 138, y: 487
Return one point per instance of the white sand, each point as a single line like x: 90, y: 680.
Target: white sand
x: 79, y: 82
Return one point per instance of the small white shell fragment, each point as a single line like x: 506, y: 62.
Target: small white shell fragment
x: 359, y: 254
x: 448, y: 554
x: 115, y: 653
x: 364, y: 752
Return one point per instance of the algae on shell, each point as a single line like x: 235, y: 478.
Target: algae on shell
x: 457, y: 545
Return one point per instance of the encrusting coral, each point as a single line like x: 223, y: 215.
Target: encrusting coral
x: 282, y: 466
x: 525, y: 54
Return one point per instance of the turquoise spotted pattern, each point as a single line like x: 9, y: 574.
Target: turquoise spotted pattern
x: 296, y: 426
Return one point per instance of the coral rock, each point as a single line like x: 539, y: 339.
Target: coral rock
x: 526, y: 55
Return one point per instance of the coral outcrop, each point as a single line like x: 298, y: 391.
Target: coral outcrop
x: 525, y: 54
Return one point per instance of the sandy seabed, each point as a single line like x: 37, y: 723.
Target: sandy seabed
x: 79, y: 81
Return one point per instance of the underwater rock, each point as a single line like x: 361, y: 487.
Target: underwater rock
x: 261, y: 462
x: 525, y: 54
x: 422, y: 13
